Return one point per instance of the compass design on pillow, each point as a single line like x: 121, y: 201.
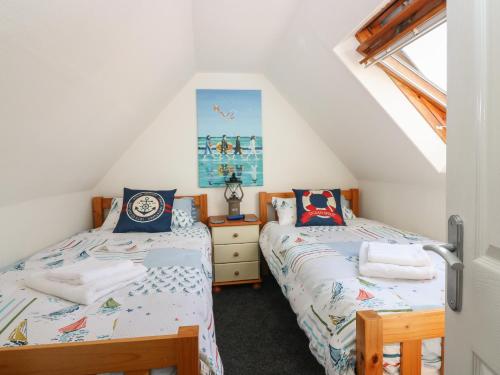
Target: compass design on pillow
x: 145, y: 207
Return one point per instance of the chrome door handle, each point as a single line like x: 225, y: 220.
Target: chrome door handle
x: 452, y: 253
x: 445, y: 251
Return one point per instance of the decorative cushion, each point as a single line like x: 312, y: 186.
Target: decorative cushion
x: 195, y: 214
x: 344, y: 202
x: 318, y: 207
x: 347, y: 213
x: 146, y: 211
x: 185, y: 205
x: 113, y: 214
x: 181, y: 219
x: 346, y: 209
x: 286, y: 210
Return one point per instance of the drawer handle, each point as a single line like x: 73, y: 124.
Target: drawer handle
x: 236, y: 273
x: 236, y: 254
x: 235, y: 235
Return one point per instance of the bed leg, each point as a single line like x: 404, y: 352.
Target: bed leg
x: 369, y: 345
x: 216, y: 289
x: 188, y: 362
x: 256, y: 286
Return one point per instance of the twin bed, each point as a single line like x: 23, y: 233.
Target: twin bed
x: 373, y: 325
x: 163, y: 322
x: 166, y: 321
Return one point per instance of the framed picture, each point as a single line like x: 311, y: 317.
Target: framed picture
x: 229, y: 137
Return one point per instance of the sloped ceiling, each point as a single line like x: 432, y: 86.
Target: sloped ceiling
x: 316, y: 82
x: 79, y: 80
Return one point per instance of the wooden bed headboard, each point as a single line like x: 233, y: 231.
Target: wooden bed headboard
x: 100, y: 204
x: 352, y: 195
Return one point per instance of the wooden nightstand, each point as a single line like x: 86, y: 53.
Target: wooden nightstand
x: 236, y: 253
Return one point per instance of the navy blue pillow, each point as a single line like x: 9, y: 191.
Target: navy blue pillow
x: 146, y: 211
x: 318, y: 207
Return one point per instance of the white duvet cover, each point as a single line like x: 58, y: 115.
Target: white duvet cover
x: 317, y: 269
x: 176, y: 292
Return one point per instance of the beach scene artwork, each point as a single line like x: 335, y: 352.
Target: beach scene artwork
x: 229, y: 137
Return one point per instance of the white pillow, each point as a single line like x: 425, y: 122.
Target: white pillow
x: 181, y: 219
x: 286, y: 210
x: 348, y: 214
x: 113, y: 214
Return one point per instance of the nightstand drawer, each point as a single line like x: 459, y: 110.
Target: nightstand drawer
x: 242, y: 252
x: 235, y: 234
x: 236, y: 271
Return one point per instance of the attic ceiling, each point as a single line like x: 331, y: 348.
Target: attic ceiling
x: 80, y: 80
x: 238, y: 36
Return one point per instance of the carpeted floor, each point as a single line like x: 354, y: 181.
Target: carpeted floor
x: 257, y: 333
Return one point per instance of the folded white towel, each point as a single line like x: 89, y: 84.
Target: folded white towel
x: 399, y: 254
x: 89, y: 270
x: 392, y: 271
x: 88, y: 293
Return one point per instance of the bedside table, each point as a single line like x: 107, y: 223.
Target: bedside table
x: 236, y: 253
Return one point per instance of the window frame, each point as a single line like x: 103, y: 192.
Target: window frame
x: 427, y: 98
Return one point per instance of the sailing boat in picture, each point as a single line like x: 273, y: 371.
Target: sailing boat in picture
x: 19, y: 335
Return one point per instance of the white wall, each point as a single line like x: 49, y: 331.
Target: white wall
x: 419, y: 209
x: 79, y: 81
x: 32, y: 225
x: 165, y: 155
x: 400, y: 184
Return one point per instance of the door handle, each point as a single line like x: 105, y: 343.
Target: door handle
x: 446, y: 252
x: 452, y: 253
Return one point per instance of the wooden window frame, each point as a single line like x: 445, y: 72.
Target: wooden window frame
x: 391, y: 24
x: 376, y: 35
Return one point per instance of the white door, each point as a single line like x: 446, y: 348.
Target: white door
x: 473, y: 182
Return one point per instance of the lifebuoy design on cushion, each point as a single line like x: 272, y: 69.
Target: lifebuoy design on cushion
x: 146, y: 207
x: 320, y: 203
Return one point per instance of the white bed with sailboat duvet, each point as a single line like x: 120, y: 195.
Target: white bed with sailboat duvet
x: 173, y: 291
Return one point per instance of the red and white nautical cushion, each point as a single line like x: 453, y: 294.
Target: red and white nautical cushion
x: 318, y: 207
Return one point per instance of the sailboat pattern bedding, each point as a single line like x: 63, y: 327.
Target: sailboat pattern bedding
x: 317, y: 269
x: 176, y: 292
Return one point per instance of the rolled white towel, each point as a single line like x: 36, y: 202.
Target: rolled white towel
x: 392, y: 271
x: 88, y: 293
x: 89, y: 270
x: 399, y: 254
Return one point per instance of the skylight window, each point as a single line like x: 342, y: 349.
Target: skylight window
x: 428, y: 55
x: 407, y: 39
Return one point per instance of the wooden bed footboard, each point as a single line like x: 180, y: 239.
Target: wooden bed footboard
x: 132, y: 355
x: 408, y: 329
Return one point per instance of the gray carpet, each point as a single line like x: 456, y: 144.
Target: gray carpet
x: 257, y: 333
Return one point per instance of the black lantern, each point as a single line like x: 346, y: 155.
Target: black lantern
x: 233, y: 187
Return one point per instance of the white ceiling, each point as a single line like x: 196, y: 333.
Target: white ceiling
x: 80, y: 79
x: 238, y: 36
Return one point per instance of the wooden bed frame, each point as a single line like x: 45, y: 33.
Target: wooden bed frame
x: 101, y: 204
x: 373, y: 330
x: 408, y: 329
x: 134, y: 356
